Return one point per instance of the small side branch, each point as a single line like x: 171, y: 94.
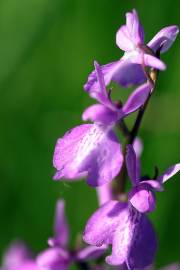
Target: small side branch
x: 120, y: 182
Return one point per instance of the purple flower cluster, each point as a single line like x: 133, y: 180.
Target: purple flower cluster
x: 58, y: 256
x: 18, y: 257
x: 94, y: 151
x: 124, y: 225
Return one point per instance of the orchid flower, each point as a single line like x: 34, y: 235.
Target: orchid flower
x: 18, y: 257
x: 142, y: 195
x: 93, y: 150
x: 57, y: 256
x: 128, y: 231
x: 124, y: 225
x: 129, y: 70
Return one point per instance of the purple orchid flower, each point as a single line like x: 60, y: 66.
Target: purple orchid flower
x: 124, y: 225
x: 93, y: 150
x: 89, y: 149
x: 128, y: 231
x: 30, y: 265
x: 142, y: 194
x: 119, y: 224
x: 108, y: 112
x: 129, y: 69
x: 57, y: 256
x: 18, y: 257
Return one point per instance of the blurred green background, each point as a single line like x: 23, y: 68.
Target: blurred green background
x: 47, y: 48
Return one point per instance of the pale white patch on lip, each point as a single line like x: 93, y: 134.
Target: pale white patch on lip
x: 89, y: 142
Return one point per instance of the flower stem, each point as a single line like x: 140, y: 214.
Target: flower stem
x: 121, y: 178
x: 123, y: 128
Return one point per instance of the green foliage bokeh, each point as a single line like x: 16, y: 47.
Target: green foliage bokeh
x: 47, y: 48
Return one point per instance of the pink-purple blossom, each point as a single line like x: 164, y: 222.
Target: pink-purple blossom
x: 58, y: 256
x: 142, y: 195
x: 93, y: 150
x: 124, y: 225
x: 18, y: 257
x: 129, y: 69
x: 127, y: 230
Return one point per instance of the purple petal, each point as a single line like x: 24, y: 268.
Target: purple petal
x: 54, y: 259
x: 107, y: 72
x: 132, y: 165
x: 135, y: 28
x: 100, y: 79
x: 107, y: 161
x: 92, y: 149
x: 104, y: 194
x: 164, y: 39
x: 99, y: 92
x: 123, y: 238
x: 129, y: 69
x: 29, y: 265
x: 126, y: 72
x: 144, y: 246
x: 170, y: 172
x: 134, y: 242
x: 142, y: 198
x: 123, y: 72
x: 137, y: 99
x: 15, y: 255
x: 123, y: 39
x: 144, y: 59
x: 66, y: 151
x: 61, y: 229
x: 91, y: 253
x: 130, y: 35
x: 101, y: 226
x: 152, y: 61
x: 100, y: 114
x: 154, y: 184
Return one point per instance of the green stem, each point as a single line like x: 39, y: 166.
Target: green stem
x: 121, y: 178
